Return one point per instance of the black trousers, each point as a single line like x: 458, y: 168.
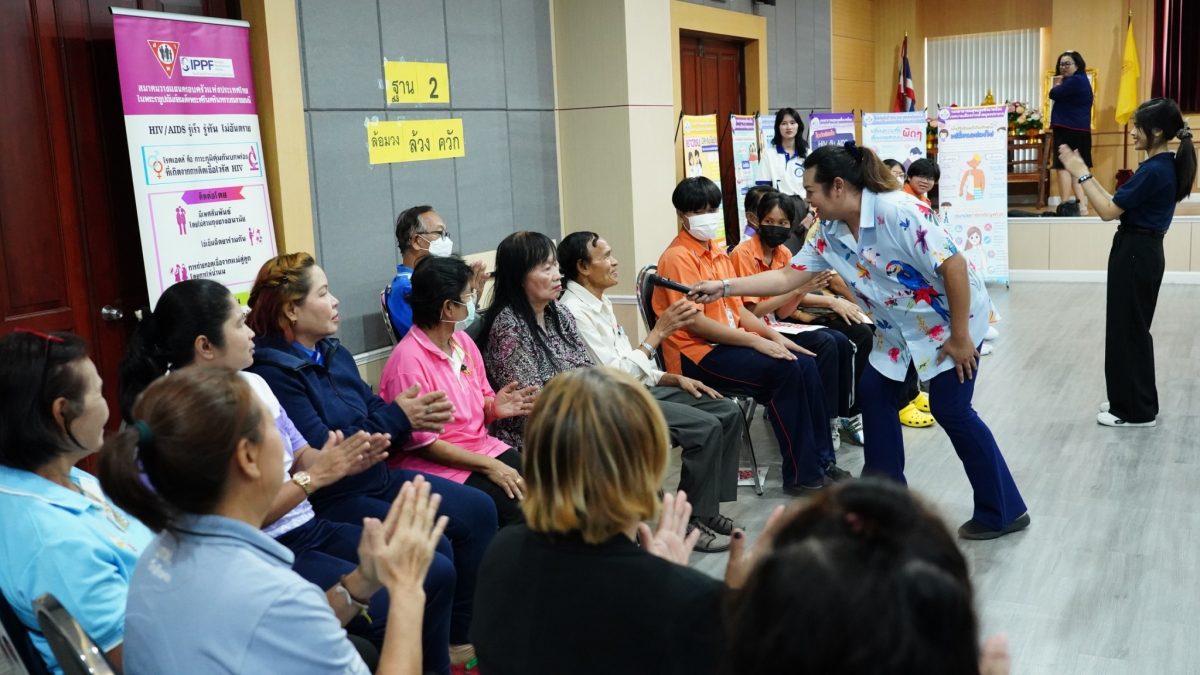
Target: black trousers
x: 508, y: 510
x: 1135, y: 272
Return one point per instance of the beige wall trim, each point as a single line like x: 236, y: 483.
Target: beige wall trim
x: 380, y: 354
x: 275, y: 52
x: 1092, y: 276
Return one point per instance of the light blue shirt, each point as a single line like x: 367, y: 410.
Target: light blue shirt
x: 893, y: 270
x: 219, y: 596
x: 78, y: 547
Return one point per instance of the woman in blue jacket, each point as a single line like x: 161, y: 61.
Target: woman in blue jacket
x: 1071, y: 120
x: 294, y: 315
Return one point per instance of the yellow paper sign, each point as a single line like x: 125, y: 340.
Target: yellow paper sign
x: 416, y: 82
x: 414, y: 140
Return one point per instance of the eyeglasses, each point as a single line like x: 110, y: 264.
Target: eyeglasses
x: 47, y: 339
x: 437, y: 234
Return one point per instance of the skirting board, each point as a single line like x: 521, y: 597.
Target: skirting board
x: 1092, y: 276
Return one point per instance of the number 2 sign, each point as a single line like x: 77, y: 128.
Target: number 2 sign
x: 416, y: 82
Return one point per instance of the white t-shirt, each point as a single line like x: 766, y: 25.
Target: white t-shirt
x: 782, y: 171
x: 302, y: 512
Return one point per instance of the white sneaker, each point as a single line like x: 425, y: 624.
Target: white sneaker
x: 991, y: 334
x: 1110, y: 420
x: 986, y: 349
x: 851, y: 428
x: 1104, y: 407
x: 837, y: 438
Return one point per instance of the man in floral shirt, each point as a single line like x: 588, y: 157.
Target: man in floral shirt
x: 928, y: 306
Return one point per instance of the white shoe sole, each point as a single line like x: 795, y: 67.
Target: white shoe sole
x: 991, y: 334
x: 1110, y: 420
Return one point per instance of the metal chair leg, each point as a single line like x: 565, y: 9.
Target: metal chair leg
x: 747, y: 417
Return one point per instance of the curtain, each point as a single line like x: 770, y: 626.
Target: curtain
x: 1177, y: 52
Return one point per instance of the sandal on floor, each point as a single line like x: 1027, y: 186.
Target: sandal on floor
x: 911, y: 417
x: 720, y: 524
x: 922, y: 402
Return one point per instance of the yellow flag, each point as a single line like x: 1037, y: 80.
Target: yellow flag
x: 1127, y: 100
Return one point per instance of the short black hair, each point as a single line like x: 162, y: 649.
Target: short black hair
x: 696, y: 194
x: 753, y: 195
x: 574, y: 249
x: 434, y: 281
x: 924, y: 168
x: 774, y: 200
x: 891, y: 163
x: 35, y: 369
x: 407, y: 223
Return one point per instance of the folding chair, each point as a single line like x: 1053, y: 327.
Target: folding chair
x: 743, y: 398
x: 75, y: 650
x: 387, y: 315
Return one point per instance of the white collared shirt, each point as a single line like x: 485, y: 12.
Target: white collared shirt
x: 892, y: 269
x: 782, y: 171
x: 606, y: 341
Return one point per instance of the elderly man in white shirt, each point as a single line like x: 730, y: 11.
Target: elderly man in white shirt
x: 703, y: 423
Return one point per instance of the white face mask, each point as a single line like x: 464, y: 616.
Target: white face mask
x: 703, y: 226
x: 440, y: 248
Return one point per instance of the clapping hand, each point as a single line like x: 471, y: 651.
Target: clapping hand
x: 425, y: 413
x: 341, y: 457
x: 1072, y: 161
x: 396, y: 553
x: 743, y: 558
x: 513, y: 402
x: 671, y: 540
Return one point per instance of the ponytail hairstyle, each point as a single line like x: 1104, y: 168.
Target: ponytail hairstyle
x: 801, y: 141
x: 165, y: 339
x: 1163, y: 114
x: 858, y: 166
x: 35, y: 370
x: 869, y: 555
x: 187, y: 428
x: 282, y: 281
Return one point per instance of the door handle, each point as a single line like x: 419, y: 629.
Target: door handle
x: 110, y: 313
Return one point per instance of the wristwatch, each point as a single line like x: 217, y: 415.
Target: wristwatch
x: 304, y: 480
x: 1084, y: 178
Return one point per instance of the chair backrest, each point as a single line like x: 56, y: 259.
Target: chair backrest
x: 645, y: 295
x: 18, y: 656
x: 387, y: 315
x: 75, y: 650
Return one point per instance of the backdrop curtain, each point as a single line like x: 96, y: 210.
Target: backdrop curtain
x: 1177, y: 52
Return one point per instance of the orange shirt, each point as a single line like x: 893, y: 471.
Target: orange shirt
x: 908, y: 188
x: 748, y: 259
x: 688, y: 261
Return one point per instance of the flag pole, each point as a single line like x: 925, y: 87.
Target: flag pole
x: 1125, y: 135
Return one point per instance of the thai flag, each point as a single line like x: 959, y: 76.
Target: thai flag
x: 906, y: 96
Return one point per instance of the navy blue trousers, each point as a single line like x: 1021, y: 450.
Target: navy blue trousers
x: 790, y: 390
x: 325, y: 552
x: 471, y: 513
x: 835, y: 362
x: 997, y: 500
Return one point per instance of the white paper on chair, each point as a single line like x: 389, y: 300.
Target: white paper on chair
x: 746, y: 475
x: 794, y: 328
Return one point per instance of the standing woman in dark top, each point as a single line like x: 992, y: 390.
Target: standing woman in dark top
x: 1145, y: 205
x: 1071, y: 120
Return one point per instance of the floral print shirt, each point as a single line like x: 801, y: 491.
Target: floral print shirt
x: 892, y: 269
x: 513, y: 355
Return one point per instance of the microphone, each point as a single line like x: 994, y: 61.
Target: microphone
x: 668, y: 283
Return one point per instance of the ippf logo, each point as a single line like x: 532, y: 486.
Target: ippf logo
x: 166, y: 53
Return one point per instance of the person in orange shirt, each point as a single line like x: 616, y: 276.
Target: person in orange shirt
x: 834, y: 353
x: 923, y: 175
x: 730, y: 349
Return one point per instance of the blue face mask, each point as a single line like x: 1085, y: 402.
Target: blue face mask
x: 470, y: 305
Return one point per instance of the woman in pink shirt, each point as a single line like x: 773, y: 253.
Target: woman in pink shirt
x: 439, y: 356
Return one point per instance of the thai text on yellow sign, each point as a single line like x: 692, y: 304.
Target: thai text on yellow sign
x: 414, y: 140
x: 416, y: 82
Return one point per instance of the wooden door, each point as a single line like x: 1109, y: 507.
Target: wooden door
x: 711, y: 82
x: 69, y: 243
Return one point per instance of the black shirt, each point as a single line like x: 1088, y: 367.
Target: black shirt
x: 553, y: 604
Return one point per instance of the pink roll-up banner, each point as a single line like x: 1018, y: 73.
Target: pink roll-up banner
x: 195, y: 152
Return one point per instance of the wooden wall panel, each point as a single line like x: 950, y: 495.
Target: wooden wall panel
x: 852, y: 18
x: 856, y: 59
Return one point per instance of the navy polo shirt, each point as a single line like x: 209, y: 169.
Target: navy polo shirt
x: 1148, y: 199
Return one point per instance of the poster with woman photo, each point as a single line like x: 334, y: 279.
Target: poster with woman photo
x: 972, y: 154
